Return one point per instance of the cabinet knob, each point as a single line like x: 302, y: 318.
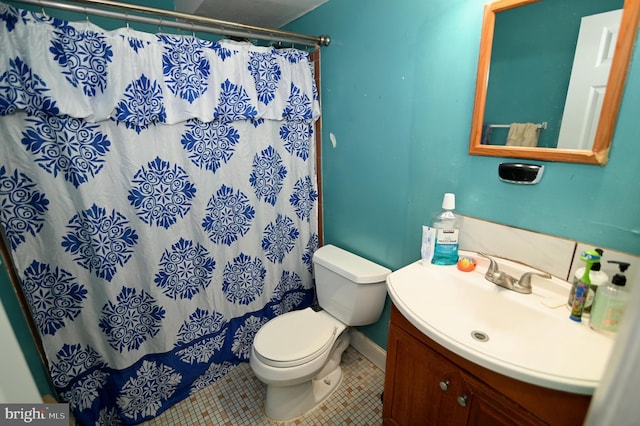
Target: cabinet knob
x: 462, y: 400
x: 444, y: 385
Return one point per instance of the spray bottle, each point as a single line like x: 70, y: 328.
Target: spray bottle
x: 589, y: 257
x: 596, y: 276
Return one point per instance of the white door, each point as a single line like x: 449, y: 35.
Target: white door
x: 589, y: 75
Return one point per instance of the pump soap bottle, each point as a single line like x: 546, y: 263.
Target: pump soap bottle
x: 610, y: 303
x: 447, y: 225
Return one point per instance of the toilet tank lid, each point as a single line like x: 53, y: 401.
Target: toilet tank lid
x: 349, y: 265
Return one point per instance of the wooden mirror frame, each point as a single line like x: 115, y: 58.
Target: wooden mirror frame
x: 599, y: 154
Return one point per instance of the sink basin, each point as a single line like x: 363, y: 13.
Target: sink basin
x: 528, y: 337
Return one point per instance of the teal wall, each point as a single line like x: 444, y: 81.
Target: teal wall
x: 398, y: 84
x: 531, y: 63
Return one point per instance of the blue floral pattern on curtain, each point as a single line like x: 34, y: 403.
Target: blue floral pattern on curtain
x: 158, y: 196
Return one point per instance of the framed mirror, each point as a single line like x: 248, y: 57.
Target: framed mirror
x: 485, y: 122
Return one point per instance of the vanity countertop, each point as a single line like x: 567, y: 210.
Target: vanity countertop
x: 528, y: 337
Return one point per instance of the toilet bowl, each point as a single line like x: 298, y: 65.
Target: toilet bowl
x: 297, y: 354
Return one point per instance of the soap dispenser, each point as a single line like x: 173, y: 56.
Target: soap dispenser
x: 610, y: 303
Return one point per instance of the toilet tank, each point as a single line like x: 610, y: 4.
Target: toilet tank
x: 349, y: 287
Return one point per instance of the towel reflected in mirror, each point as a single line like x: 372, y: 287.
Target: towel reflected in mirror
x: 523, y: 134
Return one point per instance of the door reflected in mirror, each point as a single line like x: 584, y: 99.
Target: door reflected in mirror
x: 588, y: 82
x: 529, y: 48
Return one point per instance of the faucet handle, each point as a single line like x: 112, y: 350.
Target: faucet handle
x: 525, y: 279
x: 493, y: 265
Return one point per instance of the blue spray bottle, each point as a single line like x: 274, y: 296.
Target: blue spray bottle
x: 582, y: 288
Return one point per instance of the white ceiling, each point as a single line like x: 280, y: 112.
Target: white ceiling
x: 261, y: 13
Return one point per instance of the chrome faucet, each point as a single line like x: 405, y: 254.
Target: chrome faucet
x: 502, y: 279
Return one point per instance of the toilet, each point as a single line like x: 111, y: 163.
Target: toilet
x: 297, y: 354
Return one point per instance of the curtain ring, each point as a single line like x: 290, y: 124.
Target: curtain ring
x: 160, y: 25
x: 42, y: 9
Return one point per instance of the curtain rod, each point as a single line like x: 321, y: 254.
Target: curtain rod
x: 195, y: 23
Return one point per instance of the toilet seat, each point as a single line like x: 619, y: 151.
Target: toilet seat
x: 295, y: 338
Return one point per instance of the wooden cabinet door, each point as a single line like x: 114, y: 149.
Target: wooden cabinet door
x: 416, y: 365
x: 420, y: 385
x: 482, y: 406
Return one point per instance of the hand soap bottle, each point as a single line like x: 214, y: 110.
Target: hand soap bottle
x: 610, y: 303
x: 447, y: 226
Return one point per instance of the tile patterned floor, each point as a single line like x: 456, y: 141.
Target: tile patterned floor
x: 238, y: 399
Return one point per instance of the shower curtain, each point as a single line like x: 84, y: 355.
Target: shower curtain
x: 158, y: 197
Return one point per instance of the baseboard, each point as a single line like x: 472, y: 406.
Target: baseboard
x: 368, y: 348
